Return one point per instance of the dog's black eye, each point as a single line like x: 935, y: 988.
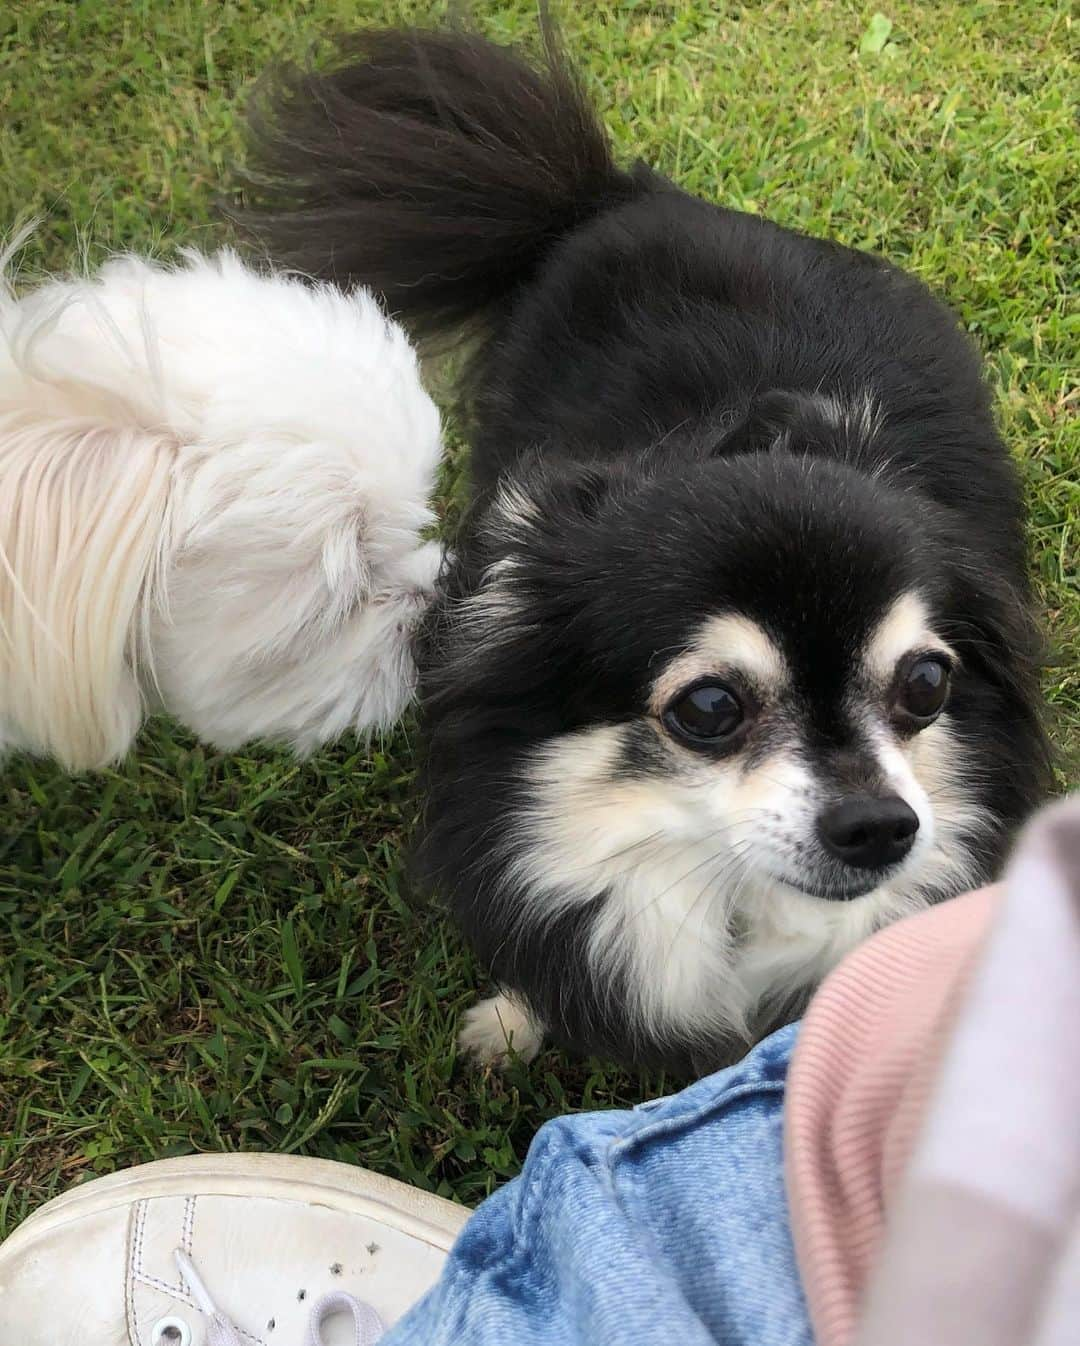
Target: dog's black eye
x: 923, y: 689
x: 707, y: 713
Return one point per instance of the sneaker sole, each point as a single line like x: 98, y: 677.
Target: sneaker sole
x: 316, y: 1182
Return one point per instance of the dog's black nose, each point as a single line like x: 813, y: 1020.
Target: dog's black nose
x: 868, y: 833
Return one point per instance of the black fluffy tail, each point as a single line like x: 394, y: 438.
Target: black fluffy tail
x: 435, y: 167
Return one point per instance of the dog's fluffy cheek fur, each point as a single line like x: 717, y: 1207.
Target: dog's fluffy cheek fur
x: 943, y: 768
x: 677, y: 860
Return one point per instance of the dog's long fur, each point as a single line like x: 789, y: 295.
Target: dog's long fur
x: 703, y: 446
x: 212, y: 484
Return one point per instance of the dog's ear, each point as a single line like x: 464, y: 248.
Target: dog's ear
x: 818, y: 422
x: 587, y: 490
x: 537, y: 496
x: 766, y: 422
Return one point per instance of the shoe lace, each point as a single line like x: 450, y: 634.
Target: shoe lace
x: 222, y: 1331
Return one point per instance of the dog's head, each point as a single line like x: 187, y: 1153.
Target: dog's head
x: 741, y: 711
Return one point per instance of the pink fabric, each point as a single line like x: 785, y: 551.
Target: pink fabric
x: 932, y: 1144
x: 857, y: 1086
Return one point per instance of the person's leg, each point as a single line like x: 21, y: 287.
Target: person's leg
x: 667, y: 1224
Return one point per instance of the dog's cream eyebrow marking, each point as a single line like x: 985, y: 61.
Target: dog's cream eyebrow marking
x: 730, y: 643
x: 903, y: 629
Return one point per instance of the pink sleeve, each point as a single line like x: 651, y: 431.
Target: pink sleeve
x: 858, y: 1085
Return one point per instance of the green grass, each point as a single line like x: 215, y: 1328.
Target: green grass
x: 206, y: 952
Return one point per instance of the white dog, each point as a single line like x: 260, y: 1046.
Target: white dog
x: 213, y: 485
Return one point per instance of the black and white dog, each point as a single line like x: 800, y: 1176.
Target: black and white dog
x: 734, y: 661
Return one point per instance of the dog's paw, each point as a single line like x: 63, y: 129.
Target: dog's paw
x: 496, y: 1030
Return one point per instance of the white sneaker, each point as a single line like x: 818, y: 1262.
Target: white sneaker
x: 231, y: 1250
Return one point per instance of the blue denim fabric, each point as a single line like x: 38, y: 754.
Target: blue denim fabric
x: 667, y: 1224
